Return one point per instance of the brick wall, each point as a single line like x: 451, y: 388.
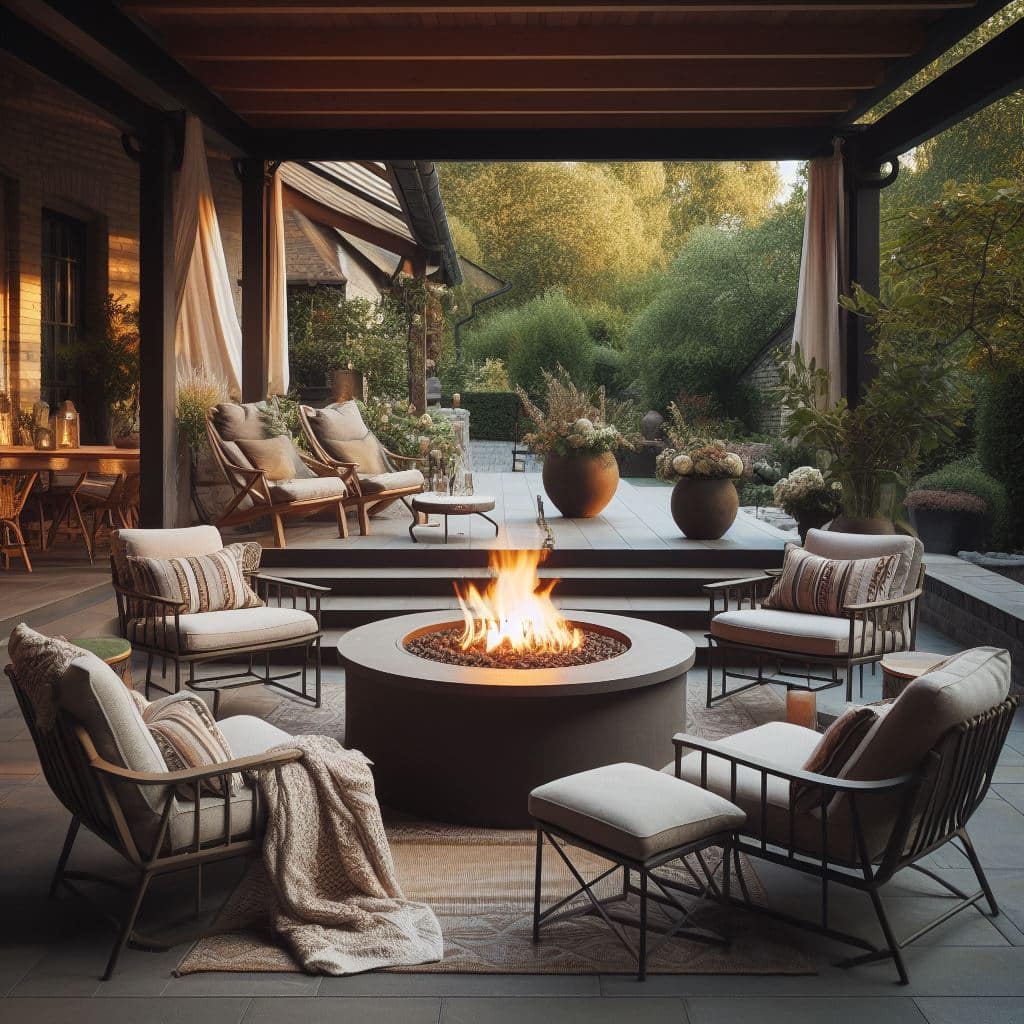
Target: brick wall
x: 762, y: 375
x: 56, y: 153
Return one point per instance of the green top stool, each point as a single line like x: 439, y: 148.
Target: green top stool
x: 114, y: 650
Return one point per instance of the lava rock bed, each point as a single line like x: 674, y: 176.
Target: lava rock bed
x: 444, y: 645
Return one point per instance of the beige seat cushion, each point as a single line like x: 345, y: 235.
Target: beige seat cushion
x: 248, y: 736
x: 308, y: 489
x: 793, y: 632
x: 633, y: 810
x: 225, y: 630
x: 343, y: 434
x: 784, y: 746
x: 404, y: 480
x: 857, y: 545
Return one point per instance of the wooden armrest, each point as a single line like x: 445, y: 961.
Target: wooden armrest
x: 683, y: 741
x: 313, y: 588
x: 892, y: 602
x: 319, y: 467
x: 718, y: 585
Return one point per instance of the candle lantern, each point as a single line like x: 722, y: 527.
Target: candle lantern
x: 801, y: 708
x: 42, y: 435
x: 42, y: 439
x: 66, y: 426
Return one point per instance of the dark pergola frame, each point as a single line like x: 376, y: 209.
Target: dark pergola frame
x: 91, y: 48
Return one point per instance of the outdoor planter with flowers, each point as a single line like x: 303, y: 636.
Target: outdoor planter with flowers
x: 577, y: 441
x: 704, y: 500
x: 948, y: 521
x: 808, y: 498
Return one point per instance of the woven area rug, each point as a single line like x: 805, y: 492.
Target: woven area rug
x: 480, y: 884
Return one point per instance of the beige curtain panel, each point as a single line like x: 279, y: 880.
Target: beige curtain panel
x: 816, y: 327
x: 207, y: 333
x: 277, y: 294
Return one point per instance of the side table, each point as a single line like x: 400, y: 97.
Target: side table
x: 452, y: 505
x: 901, y: 668
x: 114, y: 650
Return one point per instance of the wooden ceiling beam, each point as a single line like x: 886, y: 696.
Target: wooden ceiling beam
x: 499, y: 122
x: 343, y: 106
x: 528, y: 43
x: 356, y: 76
x: 634, y: 141
x: 398, y: 7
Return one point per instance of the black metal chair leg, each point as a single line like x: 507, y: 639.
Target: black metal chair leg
x: 128, y: 926
x: 319, y: 672
x: 538, y: 867
x: 149, y: 672
x: 979, y: 872
x: 65, y: 853
x: 642, y: 965
x: 890, y: 937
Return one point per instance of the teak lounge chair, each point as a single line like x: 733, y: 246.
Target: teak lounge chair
x: 311, y: 487
x: 340, y: 438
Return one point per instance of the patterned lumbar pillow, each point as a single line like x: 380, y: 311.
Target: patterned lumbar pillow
x: 39, y: 662
x: 824, y: 586
x: 202, y: 583
x: 834, y: 750
x: 188, y: 737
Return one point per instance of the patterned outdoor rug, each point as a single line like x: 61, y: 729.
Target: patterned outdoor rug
x: 480, y: 884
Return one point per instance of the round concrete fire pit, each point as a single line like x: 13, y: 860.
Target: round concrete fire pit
x: 466, y: 745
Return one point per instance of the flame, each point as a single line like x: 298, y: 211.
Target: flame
x: 514, y: 612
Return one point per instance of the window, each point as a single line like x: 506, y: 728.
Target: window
x: 63, y: 279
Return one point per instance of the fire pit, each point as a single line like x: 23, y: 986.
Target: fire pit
x: 463, y: 718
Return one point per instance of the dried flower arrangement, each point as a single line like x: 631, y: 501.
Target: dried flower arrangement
x: 806, y: 493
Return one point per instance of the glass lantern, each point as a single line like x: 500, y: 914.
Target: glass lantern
x: 66, y: 426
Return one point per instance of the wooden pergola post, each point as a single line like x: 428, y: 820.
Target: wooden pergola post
x: 157, y: 423
x: 254, y: 280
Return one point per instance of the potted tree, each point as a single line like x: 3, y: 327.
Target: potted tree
x: 912, y: 405
x: 575, y: 438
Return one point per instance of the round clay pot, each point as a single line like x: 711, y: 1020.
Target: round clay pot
x: 704, y: 509
x: 580, y: 486
x: 814, y: 521
x: 876, y: 526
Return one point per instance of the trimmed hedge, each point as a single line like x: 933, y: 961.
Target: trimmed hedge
x: 965, y: 476
x: 492, y: 414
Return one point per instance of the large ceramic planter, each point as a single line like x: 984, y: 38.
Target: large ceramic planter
x: 945, y: 531
x: 580, y: 486
x: 876, y: 526
x: 704, y: 509
x: 812, y: 521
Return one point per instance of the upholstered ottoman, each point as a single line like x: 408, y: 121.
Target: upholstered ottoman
x: 640, y: 820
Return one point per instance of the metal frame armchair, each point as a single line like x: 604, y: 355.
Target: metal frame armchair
x: 167, y: 834
x: 161, y: 628
x: 255, y: 496
x: 870, y: 631
x: 863, y: 831
x: 369, y: 491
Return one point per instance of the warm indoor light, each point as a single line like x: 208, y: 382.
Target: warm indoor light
x: 514, y: 612
x: 66, y: 426
x: 801, y: 708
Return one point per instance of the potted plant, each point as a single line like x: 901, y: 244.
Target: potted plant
x: 912, y: 405
x: 808, y: 498
x: 198, y: 392
x: 957, y: 508
x: 575, y: 437
x: 704, y: 500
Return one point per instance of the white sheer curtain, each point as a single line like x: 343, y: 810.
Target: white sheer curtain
x: 277, y: 294
x: 816, y: 327
x: 207, y: 333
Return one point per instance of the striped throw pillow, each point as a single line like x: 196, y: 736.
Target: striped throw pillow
x: 824, y: 586
x: 188, y: 737
x: 203, y: 583
x: 834, y: 750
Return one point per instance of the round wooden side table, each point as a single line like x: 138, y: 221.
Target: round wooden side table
x: 452, y: 505
x: 114, y: 650
x: 901, y: 668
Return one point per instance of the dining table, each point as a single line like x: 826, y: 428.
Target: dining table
x: 102, y: 459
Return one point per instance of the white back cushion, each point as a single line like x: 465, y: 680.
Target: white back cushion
x: 861, y: 545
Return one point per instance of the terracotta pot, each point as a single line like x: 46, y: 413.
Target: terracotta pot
x: 580, y: 486
x: 704, y: 509
x: 874, y: 525
x: 813, y: 521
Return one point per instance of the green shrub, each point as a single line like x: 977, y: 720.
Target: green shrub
x: 966, y: 476
x: 491, y: 376
x: 999, y: 423
x: 608, y: 363
x: 758, y: 495
x: 492, y: 415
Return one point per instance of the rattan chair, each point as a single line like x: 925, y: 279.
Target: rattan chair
x: 98, y: 764
x: 316, y: 486
x: 290, y: 619
x: 909, y: 789
x: 340, y: 438
x: 14, y: 492
x: 744, y: 633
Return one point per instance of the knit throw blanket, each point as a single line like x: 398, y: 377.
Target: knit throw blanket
x: 338, y: 905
